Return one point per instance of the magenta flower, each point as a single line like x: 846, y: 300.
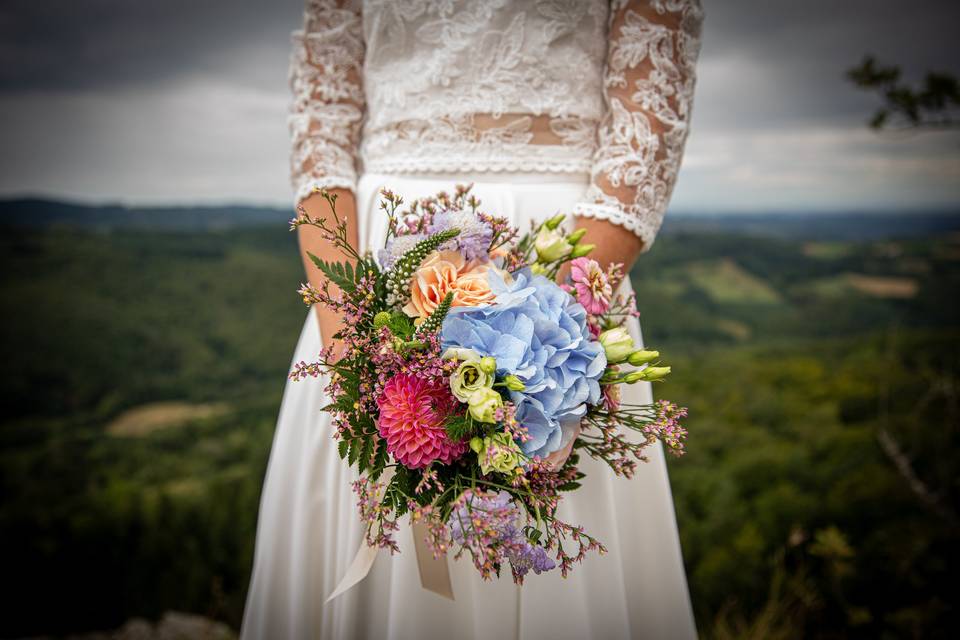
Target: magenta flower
x: 413, y: 410
x: 592, y: 286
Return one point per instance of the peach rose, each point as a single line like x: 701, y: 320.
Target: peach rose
x: 442, y: 272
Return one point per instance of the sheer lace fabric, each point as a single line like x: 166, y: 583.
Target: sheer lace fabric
x: 501, y: 85
x: 328, y: 101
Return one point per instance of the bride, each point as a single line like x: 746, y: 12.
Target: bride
x: 546, y: 106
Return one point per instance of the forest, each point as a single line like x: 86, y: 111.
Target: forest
x: 144, y: 366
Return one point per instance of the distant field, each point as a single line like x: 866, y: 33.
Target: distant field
x: 145, y: 419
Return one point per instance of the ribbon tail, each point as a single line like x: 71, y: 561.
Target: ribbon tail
x: 434, y: 572
x: 359, y: 568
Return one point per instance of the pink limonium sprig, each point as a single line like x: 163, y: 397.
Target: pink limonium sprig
x: 438, y: 534
x: 667, y: 427
x: 376, y: 514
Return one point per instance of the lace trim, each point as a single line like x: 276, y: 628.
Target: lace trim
x: 327, y: 109
x: 308, y: 185
x: 649, y: 86
x: 491, y: 165
x: 645, y: 227
x: 478, y: 143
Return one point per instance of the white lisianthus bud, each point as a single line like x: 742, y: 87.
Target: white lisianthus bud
x: 483, y: 404
x: 497, y: 452
x: 551, y: 245
x: 617, y: 344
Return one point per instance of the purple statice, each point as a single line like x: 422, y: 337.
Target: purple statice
x: 530, y: 556
x: 486, y: 525
x: 475, y: 234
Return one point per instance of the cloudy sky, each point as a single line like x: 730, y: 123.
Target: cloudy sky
x: 176, y: 101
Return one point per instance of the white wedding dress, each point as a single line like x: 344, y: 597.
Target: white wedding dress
x: 547, y: 106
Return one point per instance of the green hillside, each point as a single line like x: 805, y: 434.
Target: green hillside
x: 818, y: 499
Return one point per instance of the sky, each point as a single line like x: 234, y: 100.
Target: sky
x: 185, y: 102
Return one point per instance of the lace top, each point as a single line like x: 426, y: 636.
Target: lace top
x: 400, y: 86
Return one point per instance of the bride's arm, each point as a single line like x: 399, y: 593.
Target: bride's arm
x: 325, y: 121
x: 648, y: 87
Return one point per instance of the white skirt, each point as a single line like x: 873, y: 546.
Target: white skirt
x: 309, y: 532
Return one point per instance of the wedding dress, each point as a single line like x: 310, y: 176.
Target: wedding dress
x: 546, y: 106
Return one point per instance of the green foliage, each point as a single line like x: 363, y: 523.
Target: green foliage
x: 339, y: 273
x: 935, y: 104
x: 343, y: 274
x: 460, y: 426
x: 401, y: 325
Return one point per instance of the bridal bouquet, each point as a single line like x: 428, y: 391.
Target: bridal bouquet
x: 471, y: 381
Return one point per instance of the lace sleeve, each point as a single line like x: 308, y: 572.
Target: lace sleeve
x: 328, y: 102
x: 648, y: 87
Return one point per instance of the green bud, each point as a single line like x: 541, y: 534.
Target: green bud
x: 633, y: 376
x: 638, y: 358
x: 488, y: 364
x: 476, y: 443
x: 514, y: 383
x: 576, y: 236
x: 655, y: 373
x: 381, y: 320
x: 538, y: 269
x: 581, y: 250
x: 555, y: 221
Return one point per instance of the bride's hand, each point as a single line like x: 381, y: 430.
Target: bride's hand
x: 558, y: 458
x: 311, y: 241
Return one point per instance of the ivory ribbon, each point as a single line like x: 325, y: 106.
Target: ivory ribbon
x: 434, y: 572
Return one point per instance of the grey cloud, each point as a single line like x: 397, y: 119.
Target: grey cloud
x: 65, y: 44
x: 783, y: 62
x: 177, y: 101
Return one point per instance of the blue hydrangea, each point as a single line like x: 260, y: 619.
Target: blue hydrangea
x: 537, y: 332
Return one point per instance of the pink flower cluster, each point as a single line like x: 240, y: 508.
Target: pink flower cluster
x: 591, y: 285
x: 667, y: 426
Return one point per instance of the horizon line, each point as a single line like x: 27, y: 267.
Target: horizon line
x: 947, y: 209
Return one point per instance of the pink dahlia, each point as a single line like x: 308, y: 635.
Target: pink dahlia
x: 412, y: 413
x: 593, y: 288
